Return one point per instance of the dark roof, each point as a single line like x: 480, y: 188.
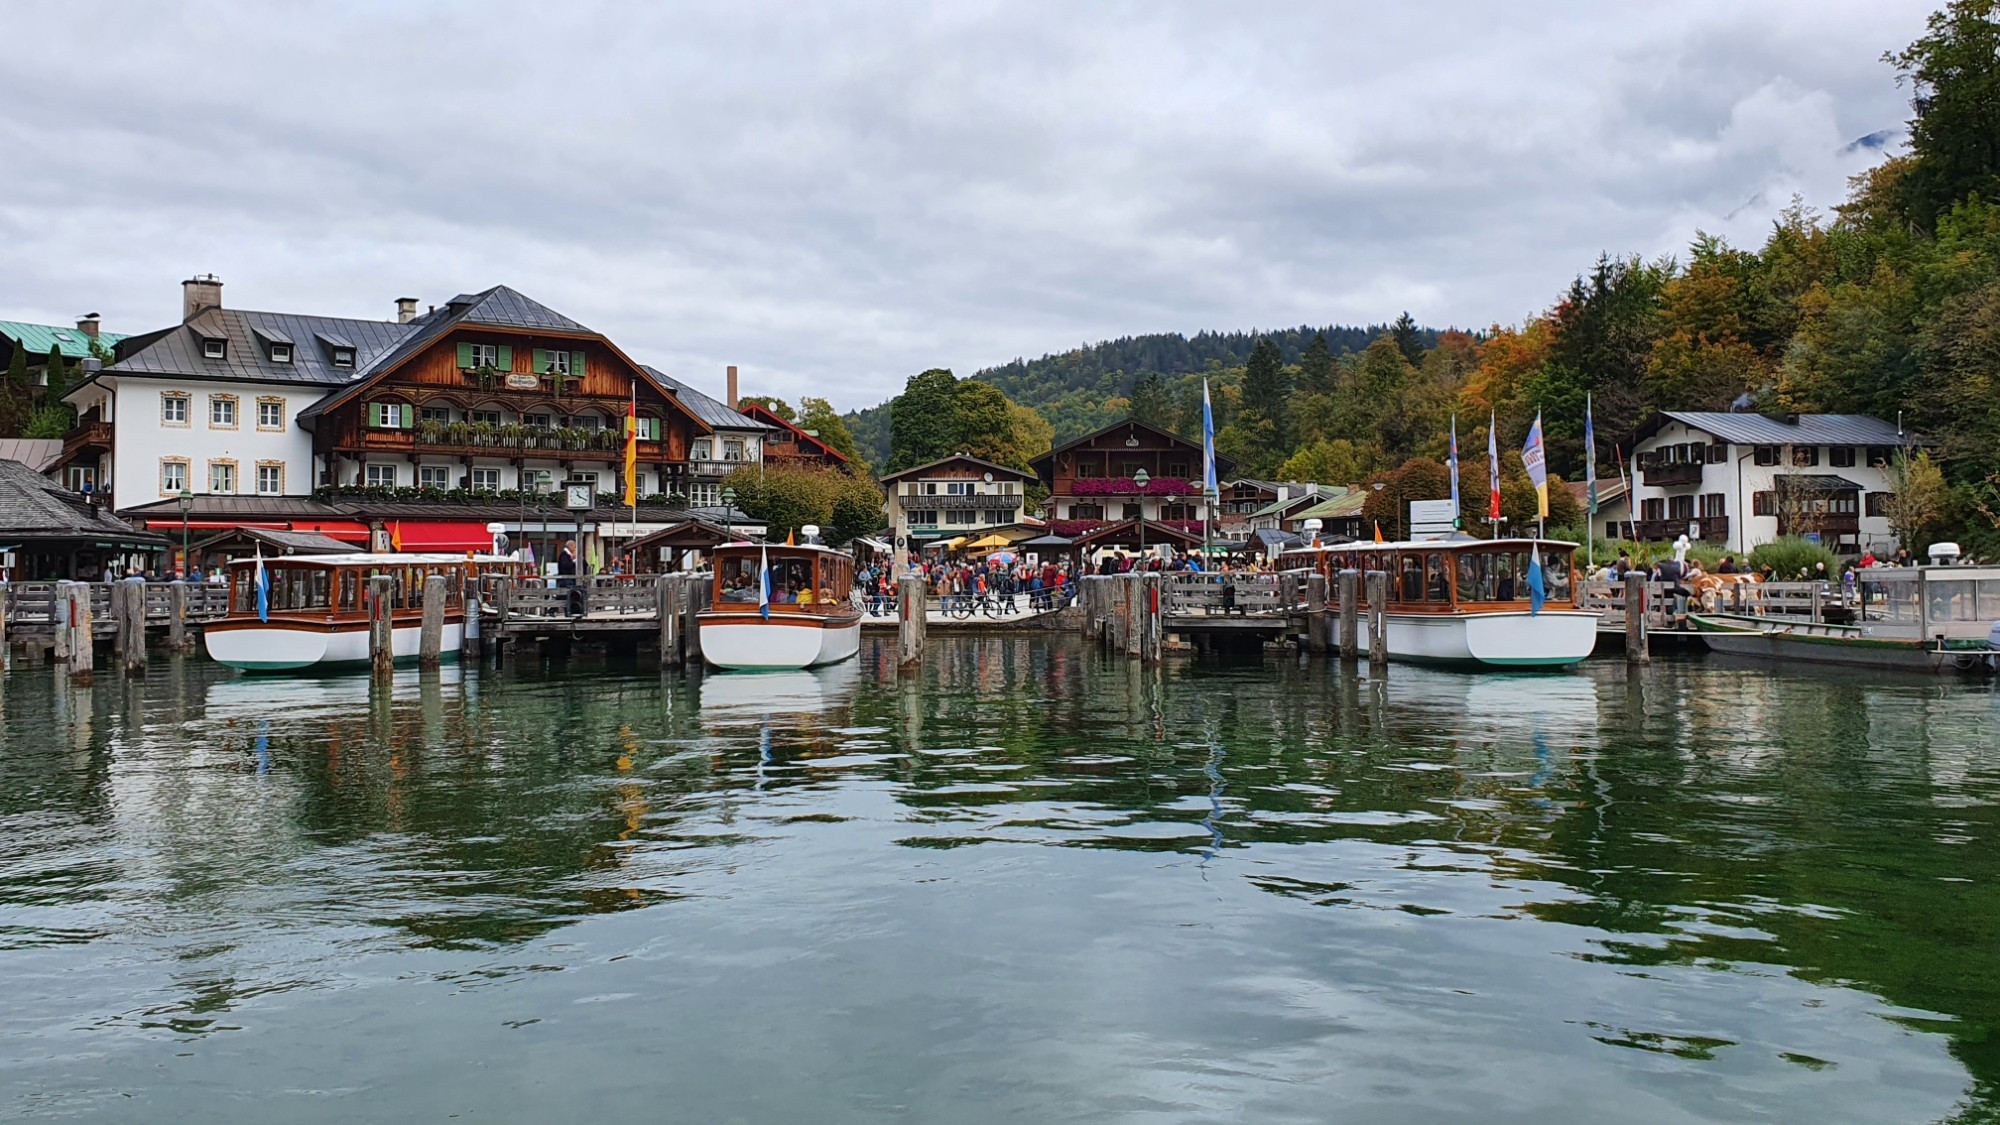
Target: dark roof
x: 36, y: 453
x: 207, y: 507
x: 1155, y: 533
x: 279, y: 542
x: 503, y: 307
x: 1809, y: 429
x: 33, y: 507
x: 1819, y: 482
x: 713, y: 413
x: 177, y: 352
x: 981, y: 461
x: 1223, y: 465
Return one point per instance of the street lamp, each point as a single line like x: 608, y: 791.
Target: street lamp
x: 186, y: 501
x: 1139, y: 481
x: 728, y: 513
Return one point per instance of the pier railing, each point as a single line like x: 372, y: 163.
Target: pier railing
x: 31, y: 605
x: 1209, y: 594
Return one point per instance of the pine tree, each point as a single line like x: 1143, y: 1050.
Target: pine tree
x: 1316, y: 366
x: 1409, y: 339
x: 17, y: 371
x: 57, y: 371
x: 1955, y: 88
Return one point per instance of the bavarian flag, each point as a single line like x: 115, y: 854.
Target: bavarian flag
x: 632, y: 449
x: 1535, y: 458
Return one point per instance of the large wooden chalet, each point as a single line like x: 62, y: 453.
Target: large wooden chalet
x: 1096, y: 498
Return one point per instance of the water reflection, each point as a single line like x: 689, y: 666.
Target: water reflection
x: 1687, y: 893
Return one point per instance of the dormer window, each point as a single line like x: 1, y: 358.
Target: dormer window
x: 281, y: 353
x: 214, y: 347
x: 343, y: 357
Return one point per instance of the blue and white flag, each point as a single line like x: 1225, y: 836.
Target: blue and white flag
x: 1537, y: 591
x: 263, y: 590
x: 1589, y: 459
x: 1455, y: 512
x: 1208, y: 482
x: 764, y: 582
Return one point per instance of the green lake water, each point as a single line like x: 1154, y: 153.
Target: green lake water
x: 1028, y: 885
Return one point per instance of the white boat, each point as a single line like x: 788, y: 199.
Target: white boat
x: 1938, y: 618
x: 315, y: 611
x: 1460, y: 600
x: 780, y: 606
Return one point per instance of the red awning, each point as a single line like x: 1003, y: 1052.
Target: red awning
x: 438, y: 535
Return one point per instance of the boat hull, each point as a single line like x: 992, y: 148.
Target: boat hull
x: 1550, y: 639
x: 1818, y: 644
x: 291, y: 647
x: 747, y: 641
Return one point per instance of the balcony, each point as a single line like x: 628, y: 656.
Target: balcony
x: 1668, y: 476
x: 708, y: 468
x: 1706, y: 529
x: 87, y: 439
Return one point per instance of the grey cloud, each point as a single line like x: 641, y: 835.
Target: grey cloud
x: 835, y: 198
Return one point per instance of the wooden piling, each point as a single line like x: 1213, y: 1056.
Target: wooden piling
x: 82, y: 640
x: 472, y: 633
x: 667, y: 596
x: 430, y: 635
x: 177, y: 617
x: 129, y: 611
x: 1349, y: 590
x: 1316, y: 614
x: 1132, y: 586
x: 911, y: 603
x: 1378, y: 624
x: 1152, y: 615
x: 698, y: 594
x: 1635, y: 619
x: 59, y: 624
x: 381, y: 626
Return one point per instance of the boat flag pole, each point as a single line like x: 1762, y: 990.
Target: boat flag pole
x: 1590, y: 489
x: 1209, y: 487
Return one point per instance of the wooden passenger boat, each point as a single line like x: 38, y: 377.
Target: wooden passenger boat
x: 1461, y: 600
x: 780, y: 606
x: 1916, y: 619
x: 315, y: 608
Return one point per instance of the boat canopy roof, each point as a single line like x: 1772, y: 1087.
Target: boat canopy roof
x: 746, y: 546
x: 1455, y: 543
x: 374, y: 558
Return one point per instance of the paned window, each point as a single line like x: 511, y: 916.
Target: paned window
x: 222, y: 477
x: 433, y: 476
x: 1805, y: 456
x: 701, y: 450
x: 1840, y: 456
x: 486, y: 480
x: 270, y: 414
x: 173, y: 477
x: 485, y: 355
x: 281, y: 353
x: 389, y: 415
x: 222, y: 411
x: 213, y: 347
x: 343, y: 357
x: 488, y: 417
x: 1766, y: 455
x: 173, y: 409
x: 380, y: 476
x: 704, y: 495
x: 270, y: 478
x: 434, y: 414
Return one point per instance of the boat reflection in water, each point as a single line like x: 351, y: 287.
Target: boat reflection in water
x: 310, y: 696
x: 752, y: 697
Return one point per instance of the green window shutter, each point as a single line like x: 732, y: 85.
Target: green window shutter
x: 374, y: 414
x: 541, y: 361
x: 506, y: 362
x: 464, y: 354
x: 576, y: 364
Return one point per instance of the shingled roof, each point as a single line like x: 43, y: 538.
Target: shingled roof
x: 715, y: 413
x: 33, y: 508
x: 177, y: 352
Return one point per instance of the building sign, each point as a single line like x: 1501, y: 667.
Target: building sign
x: 520, y: 381
x: 1431, y: 517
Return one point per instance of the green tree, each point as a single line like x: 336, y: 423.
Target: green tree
x: 923, y: 420
x: 1316, y: 366
x: 1917, y: 498
x: 17, y: 370
x: 57, y: 373
x: 787, y: 498
x: 818, y: 417
x: 771, y: 403
x: 1954, y: 76
x: 1338, y: 462
x: 1149, y: 400
x: 1266, y: 387
x: 1409, y: 339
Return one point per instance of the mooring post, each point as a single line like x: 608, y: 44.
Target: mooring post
x: 1134, y: 587
x: 381, y: 626
x: 911, y: 599
x: 700, y: 593
x: 130, y: 609
x: 1349, y: 589
x: 667, y: 600
x: 83, y: 636
x: 1635, y: 619
x: 1378, y: 627
x: 177, y: 616
x: 430, y: 636
x: 59, y: 624
x: 1316, y: 614
x: 3, y: 618
x: 472, y: 634
x: 1153, y: 601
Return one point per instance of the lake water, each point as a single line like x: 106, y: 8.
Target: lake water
x: 1030, y: 885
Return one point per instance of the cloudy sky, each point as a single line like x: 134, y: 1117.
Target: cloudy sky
x: 836, y: 196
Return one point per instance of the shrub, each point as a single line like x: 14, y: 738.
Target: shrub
x: 1792, y: 558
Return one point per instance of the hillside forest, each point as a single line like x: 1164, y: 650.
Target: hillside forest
x: 1887, y: 305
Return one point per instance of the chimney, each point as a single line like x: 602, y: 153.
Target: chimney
x: 199, y: 294
x: 406, y: 309
x: 87, y: 324
x: 732, y: 386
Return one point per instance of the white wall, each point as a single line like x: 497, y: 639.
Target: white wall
x: 141, y: 441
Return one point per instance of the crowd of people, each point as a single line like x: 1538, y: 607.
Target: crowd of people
x: 1001, y: 580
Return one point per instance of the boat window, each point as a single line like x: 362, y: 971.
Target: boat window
x: 1556, y: 575
x: 1437, y: 583
x: 739, y: 579
x: 348, y: 582
x: 792, y: 582
x: 1475, y: 576
x: 1411, y: 578
x: 1503, y: 576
